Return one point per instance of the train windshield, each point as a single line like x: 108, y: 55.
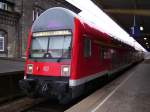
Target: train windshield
x: 50, y: 47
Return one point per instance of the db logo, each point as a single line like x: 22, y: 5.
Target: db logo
x: 46, y: 68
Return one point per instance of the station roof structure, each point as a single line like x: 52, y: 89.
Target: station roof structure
x: 123, y: 12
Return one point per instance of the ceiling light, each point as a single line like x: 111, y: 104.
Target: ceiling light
x: 145, y: 38
x: 141, y: 28
x: 146, y: 43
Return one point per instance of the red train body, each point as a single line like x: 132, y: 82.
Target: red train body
x: 65, y: 55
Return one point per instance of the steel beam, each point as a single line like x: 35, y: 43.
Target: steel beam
x: 139, y: 12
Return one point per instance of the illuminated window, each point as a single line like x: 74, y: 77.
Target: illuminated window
x: 3, y: 36
x: 1, y: 43
x: 87, y: 47
x: 1, y: 5
x: 6, y: 6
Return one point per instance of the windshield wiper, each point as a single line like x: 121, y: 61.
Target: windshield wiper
x: 59, y: 59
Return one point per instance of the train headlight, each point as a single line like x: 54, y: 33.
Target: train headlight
x: 65, y: 70
x: 29, y: 68
x: 25, y: 77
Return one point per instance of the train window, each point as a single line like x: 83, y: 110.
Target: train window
x: 87, y: 47
x: 102, y: 51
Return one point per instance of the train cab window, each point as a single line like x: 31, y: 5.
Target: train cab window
x: 60, y: 46
x: 51, y: 47
x: 39, y: 46
x: 87, y: 47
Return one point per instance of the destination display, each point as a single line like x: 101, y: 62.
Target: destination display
x: 52, y: 33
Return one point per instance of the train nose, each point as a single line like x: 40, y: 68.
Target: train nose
x: 43, y: 88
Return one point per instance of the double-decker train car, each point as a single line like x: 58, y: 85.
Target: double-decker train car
x: 65, y: 55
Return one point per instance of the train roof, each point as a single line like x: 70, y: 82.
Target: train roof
x: 54, y: 19
x: 60, y: 18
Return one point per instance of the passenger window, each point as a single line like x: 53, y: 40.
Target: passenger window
x: 102, y: 50
x: 87, y: 47
x: 104, y: 53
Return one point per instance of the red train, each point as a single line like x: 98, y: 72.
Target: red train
x: 65, y: 56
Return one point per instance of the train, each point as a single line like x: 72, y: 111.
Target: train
x: 66, y: 56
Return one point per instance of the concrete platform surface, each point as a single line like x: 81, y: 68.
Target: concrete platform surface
x: 132, y: 94
x: 10, y: 65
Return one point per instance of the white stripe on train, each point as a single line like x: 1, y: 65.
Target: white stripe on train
x: 76, y: 82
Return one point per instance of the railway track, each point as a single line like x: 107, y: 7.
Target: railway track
x: 26, y: 104
x: 20, y: 105
x: 9, y: 98
x: 48, y: 106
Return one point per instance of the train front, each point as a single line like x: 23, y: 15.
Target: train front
x: 47, y: 67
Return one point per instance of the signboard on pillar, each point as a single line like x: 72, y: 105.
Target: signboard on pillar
x: 135, y: 31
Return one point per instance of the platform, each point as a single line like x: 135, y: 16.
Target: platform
x: 11, y: 71
x: 131, y: 93
x: 11, y: 65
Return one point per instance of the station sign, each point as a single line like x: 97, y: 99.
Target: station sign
x: 52, y: 33
x: 135, y: 31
